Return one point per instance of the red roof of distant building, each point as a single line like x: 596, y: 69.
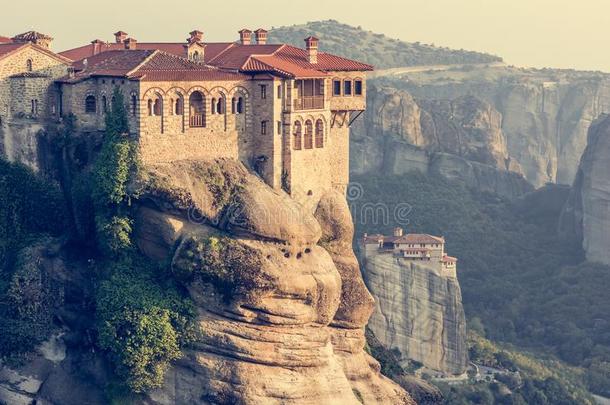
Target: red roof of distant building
x: 8, y: 48
x: 410, y: 238
x: 449, y: 259
x: 4, y: 40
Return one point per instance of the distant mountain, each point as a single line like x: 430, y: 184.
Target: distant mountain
x: 376, y: 49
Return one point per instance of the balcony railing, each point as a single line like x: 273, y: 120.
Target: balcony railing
x: 197, y: 120
x: 309, y: 103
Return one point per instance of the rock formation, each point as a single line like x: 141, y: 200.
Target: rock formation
x: 281, y: 303
x: 417, y: 311
x: 545, y: 113
x: 460, y: 139
x: 587, y: 212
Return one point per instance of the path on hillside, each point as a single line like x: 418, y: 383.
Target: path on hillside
x: 415, y: 69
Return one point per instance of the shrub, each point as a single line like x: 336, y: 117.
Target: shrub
x: 143, y: 321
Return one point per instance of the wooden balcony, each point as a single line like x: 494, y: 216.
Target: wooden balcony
x: 309, y: 103
x: 197, y: 121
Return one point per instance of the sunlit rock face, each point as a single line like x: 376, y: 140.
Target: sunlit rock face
x: 587, y: 212
x: 281, y: 303
x: 418, y: 310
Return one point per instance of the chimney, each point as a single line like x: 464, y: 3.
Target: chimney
x: 195, y: 36
x: 130, y: 43
x: 398, y: 232
x: 261, y: 36
x: 120, y: 37
x: 97, y: 44
x: 245, y: 36
x: 311, y: 44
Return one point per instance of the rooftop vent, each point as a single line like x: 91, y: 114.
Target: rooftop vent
x: 261, y: 36
x: 245, y: 36
x: 120, y: 37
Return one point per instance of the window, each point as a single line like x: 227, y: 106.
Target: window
x: 297, y: 135
x: 179, y: 106
x: 358, y: 87
x: 279, y: 91
x: 308, y: 135
x: 319, y: 134
x: 197, y: 109
x: 150, y: 107
x: 104, y: 104
x: 90, y: 105
x: 29, y: 65
x: 134, y: 105
x: 279, y: 127
x: 220, y: 106
x: 240, y: 105
x: 347, y: 88
x: 263, y: 91
x: 263, y: 127
x: 336, y: 87
x: 158, y: 107
x: 233, y: 105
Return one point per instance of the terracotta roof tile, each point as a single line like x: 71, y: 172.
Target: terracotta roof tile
x: 449, y: 259
x: 176, y: 48
x: 237, y: 55
x: 410, y: 238
x: 4, y: 40
x: 6, y: 49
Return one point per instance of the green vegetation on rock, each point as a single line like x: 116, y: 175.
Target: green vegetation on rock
x: 30, y: 208
x: 376, y: 49
x: 143, y: 320
x: 110, y: 176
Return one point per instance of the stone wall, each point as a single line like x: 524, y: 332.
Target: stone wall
x: 38, y: 86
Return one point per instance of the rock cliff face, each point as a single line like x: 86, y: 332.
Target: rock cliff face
x: 460, y: 139
x: 417, y: 311
x: 587, y: 212
x: 545, y: 113
x: 281, y: 303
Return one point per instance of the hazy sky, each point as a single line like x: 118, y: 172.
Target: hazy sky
x: 553, y: 33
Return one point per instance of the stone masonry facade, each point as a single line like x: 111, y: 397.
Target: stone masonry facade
x: 283, y: 111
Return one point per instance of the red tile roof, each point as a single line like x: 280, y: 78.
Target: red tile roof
x: 279, y: 59
x: 449, y: 259
x: 86, y: 51
x: 8, y: 48
x: 148, y: 65
x: 4, y: 40
x: 410, y: 238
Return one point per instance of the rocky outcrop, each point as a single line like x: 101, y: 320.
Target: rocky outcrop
x: 417, y: 311
x: 587, y: 212
x: 545, y: 113
x: 460, y: 139
x: 281, y: 303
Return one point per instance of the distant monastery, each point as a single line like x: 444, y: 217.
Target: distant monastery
x: 283, y: 111
x: 428, y: 249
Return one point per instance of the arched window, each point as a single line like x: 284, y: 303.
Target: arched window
x: 308, y: 141
x: 220, y: 106
x: 104, y: 104
x: 297, y: 135
x: 134, y: 105
x: 179, y: 106
x: 196, y: 55
x: 197, y: 109
x: 319, y: 134
x: 158, y: 106
x: 90, y: 105
x: 29, y: 65
x: 240, y: 105
x: 233, y: 105
x: 213, y: 105
x: 150, y: 107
